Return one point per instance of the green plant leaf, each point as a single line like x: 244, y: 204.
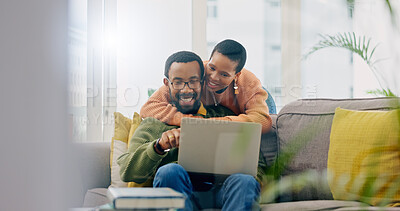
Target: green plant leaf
x: 359, y: 45
x: 391, y: 12
x: 349, y: 41
x: 382, y: 92
x: 150, y: 91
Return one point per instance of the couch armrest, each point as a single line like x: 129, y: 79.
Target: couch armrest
x: 93, y: 163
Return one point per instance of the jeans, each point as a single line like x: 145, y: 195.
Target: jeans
x: 238, y: 191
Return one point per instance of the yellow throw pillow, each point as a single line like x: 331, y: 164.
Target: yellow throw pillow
x: 135, y: 124
x: 122, y: 127
x: 123, y: 131
x: 364, y: 156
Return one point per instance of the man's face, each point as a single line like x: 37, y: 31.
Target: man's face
x: 187, y: 99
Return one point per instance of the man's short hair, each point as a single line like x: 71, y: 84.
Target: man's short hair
x: 183, y: 57
x: 233, y: 50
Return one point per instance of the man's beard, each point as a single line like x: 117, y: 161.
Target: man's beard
x: 193, y: 110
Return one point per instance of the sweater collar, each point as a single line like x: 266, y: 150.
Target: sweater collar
x: 202, y: 110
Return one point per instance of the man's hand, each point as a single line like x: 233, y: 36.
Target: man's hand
x: 169, y: 139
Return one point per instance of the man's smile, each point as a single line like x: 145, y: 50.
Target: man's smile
x: 186, y: 99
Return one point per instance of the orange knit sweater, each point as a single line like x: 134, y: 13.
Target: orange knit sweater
x: 249, y: 104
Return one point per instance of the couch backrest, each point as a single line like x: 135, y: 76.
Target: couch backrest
x: 308, y: 123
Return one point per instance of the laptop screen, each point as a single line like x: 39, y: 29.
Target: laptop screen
x: 219, y: 147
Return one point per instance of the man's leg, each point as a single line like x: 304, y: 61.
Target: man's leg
x: 175, y: 176
x: 239, y: 192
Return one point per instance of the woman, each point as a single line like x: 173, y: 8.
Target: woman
x: 226, y: 83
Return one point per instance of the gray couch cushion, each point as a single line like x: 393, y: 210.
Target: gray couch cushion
x: 95, y: 197
x: 312, y: 205
x: 360, y: 208
x: 298, y: 121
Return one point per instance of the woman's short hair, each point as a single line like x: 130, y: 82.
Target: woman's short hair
x: 233, y: 50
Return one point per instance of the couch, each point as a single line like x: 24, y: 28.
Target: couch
x: 312, y: 194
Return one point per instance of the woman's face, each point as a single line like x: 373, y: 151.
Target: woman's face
x: 220, y: 72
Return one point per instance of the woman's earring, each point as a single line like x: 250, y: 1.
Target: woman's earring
x: 236, y: 88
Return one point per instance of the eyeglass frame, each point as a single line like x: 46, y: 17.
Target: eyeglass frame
x: 185, y: 83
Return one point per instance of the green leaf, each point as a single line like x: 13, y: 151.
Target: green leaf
x: 349, y: 41
x: 150, y: 91
x: 382, y: 92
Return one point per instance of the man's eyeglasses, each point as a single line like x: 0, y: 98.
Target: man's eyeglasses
x: 192, y: 84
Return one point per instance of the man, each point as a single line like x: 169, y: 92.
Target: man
x: 154, y: 146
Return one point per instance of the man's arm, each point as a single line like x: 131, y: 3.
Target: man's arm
x: 141, y: 160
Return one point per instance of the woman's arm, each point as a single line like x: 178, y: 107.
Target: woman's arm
x: 254, y: 109
x: 249, y: 103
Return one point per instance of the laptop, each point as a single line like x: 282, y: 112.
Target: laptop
x: 219, y: 147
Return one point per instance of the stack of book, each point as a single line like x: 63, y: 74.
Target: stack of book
x: 143, y: 199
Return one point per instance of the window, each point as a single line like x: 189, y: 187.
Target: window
x: 278, y: 33
x: 257, y: 25
x: 212, y: 9
x: 77, y: 81
x: 118, y: 49
x: 116, y: 58
x: 327, y: 73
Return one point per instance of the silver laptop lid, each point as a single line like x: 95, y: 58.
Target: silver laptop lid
x: 219, y: 147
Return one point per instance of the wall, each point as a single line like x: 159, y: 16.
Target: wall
x: 33, y: 114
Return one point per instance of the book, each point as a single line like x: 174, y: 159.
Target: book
x: 145, y: 198
x: 110, y: 207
